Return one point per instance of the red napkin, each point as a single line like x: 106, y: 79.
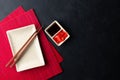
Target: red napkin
x: 51, y: 56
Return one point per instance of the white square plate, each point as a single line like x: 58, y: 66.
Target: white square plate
x: 33, y: 55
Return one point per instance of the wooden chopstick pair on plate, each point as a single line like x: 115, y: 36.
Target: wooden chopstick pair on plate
x: 19, y: 54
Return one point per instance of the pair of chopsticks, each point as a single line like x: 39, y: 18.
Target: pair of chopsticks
x: 19, y: 54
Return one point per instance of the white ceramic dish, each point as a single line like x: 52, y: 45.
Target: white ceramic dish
x: 33, y: 55
x: 57, y: 27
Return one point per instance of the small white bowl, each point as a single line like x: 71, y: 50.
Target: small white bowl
x: 55, y: 28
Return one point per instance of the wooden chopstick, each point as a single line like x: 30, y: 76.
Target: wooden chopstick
x: 19, y: 54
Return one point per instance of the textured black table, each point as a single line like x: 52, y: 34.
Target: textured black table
x: 92, y: 51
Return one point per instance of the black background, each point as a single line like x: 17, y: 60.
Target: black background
x: 92, y: 51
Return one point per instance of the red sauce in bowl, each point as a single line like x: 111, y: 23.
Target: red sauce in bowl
x: 60, y: 37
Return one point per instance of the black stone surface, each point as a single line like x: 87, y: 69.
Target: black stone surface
x: 92, y: 51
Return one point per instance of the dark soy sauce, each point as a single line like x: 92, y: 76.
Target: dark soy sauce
x: 53, y: 29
